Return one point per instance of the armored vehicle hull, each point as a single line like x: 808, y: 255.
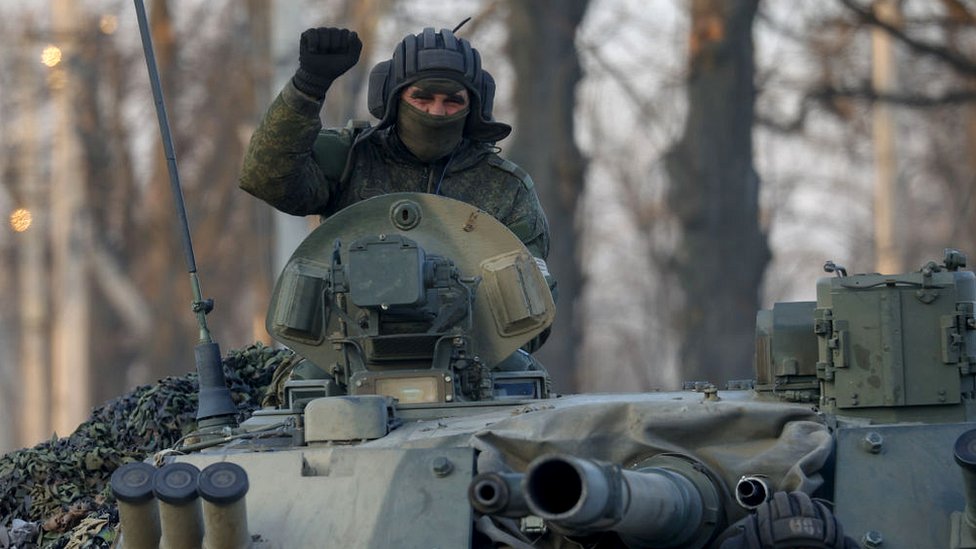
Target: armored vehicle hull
x: 407, y: 425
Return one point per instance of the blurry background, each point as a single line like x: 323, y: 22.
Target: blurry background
x: 698, y: 159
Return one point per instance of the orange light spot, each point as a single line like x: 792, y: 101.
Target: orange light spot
x: 51, y: 55
x: 108, y: 24
x: 20, y: 219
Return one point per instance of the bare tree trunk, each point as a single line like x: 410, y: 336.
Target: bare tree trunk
x: 714, y: 195
x: 887, y: 256
x: 119, y: 307
x: 35, y: 374
x: 71, y: 244
x: 10, y: 385
x: 542, y: 47
x: 258, y: 88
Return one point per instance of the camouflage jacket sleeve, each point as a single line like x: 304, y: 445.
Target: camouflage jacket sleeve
x: 531, y: 225
x: 279, y: 165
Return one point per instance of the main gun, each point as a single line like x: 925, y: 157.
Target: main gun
x: 666, y: 501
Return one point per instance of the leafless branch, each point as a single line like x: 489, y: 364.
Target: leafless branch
x: 959, y: 62
x: 866, y: 92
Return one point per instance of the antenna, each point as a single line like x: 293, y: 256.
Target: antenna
x: 216, y: 407
x: 461, y: 24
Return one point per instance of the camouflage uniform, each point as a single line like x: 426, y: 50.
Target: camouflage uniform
x: 301, y: 169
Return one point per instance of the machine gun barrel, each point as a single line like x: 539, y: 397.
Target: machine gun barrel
x: 650, y: 507
x: 498, y: 494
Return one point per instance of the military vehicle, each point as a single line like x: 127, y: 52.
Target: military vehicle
x: 415, y: 420
x: 402, y: 425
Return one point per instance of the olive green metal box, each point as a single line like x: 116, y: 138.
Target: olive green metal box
x: 896, y: 347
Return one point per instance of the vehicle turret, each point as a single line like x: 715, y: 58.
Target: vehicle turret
x: 412, y: 296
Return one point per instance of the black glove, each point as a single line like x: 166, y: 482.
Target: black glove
x: 323, y: 55
x: 787, y: 520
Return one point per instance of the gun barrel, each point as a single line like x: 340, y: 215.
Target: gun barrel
x: 655, y: 506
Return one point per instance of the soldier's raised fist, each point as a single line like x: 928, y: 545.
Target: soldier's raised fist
x: 324, y: 54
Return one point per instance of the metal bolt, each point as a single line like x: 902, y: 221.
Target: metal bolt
x: 441, y: 466
x: 873, y: 441
x: 872, y: 538
x: 382, y: 236
x: 359, y: 383
x: 447, y: 379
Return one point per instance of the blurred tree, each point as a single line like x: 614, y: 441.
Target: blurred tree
x: 714, y: 197
x: 541, y: 45
x: 932, y: 106
x: 27, y: 383
x: 71, y: 236
x: 346, y: 95
x: 121, y: 309
x: 140, y: 326
x: 213, y: 96
x: 936, y: 39
x: 158, y: 260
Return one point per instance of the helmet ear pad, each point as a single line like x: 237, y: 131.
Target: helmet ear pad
x: 379, y: 82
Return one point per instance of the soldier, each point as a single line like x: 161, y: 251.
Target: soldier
x: 435, y: 134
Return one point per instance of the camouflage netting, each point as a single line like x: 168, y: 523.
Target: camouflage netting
x: 56, y: 494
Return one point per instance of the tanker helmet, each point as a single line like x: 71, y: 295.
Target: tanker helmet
x: 438, y: 54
